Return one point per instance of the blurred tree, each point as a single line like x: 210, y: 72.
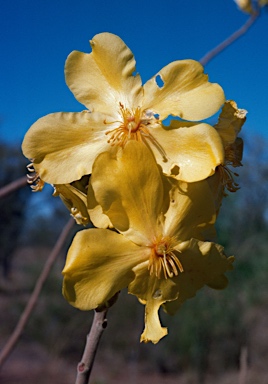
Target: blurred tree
x: 12, y: 206
x: 245, y: 214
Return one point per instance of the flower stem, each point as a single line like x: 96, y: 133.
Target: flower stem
x: 8, y: 348
x: 219, y: 48
x: 84, y: 368
x: 21, y: 182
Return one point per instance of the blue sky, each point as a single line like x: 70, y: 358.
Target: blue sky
x: 37, y: 36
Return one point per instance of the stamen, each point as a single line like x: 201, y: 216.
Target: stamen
x: 158, y: 275
x: 166, y: 264
x: 173, y: 265
x: 163, y: 259
x: 78, y: 216
x: 36, y: 183
x: 147, y: 134
x: 133, y: 126
x: 227, y: 178
x: 177, y: 261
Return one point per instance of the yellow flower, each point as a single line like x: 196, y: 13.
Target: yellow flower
x: 160, y: 252
x: 63, y: 146
x: 245, y: 5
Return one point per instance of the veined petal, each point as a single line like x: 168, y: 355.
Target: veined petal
x: 153, y: 331
x: 204, y: 263
x: 217, y: 188
x: 191, y: 212
x: 129, y: 188
x: 103, y: 78
x: 63, y: 146
x: 75, y: 201
x: 153, y: 292
x: 98, y: 218
x: 230, y: 122
x: 234, y: 153
x: 186, y: 92
x: 80, y: 200
x: 99, y: 264
x: 193, y: 150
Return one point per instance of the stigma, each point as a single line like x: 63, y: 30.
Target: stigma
x: 163, y: 260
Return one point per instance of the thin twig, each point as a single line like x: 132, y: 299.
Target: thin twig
x: 241, y: 31
x: 243, y: 365
x: 8, y: 348
x: 84, y: 368
x: 21, y: 182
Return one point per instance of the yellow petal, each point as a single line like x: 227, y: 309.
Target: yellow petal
x: 204, y: 263
x: 129, y: 188
x: 98, y: 218
x: 75, y: 201
x: 193, y: 151
x: 234, y: 153
x: 153, y: 292
x: 245, y: 5
x: 63, y: 146
x: 230, y: 122
x: 80, y: 200
x: 153, y: 331
x: 103, y: 78
x: 98, y: 265
x: 191, y: 212
x: 185, y: 92
x: 217, y: 188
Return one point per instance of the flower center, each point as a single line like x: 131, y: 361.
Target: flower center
x: 133, y: 125
x: 164, y: 259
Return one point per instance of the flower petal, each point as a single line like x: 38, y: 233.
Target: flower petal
x: 186, y: 92
x: 245, y: 6
x: 204, y: 263
x: 153, y: 292
x: 129, y: 188
x: 75, y: 200
x: 98, y: 265
x: 230, y: 122
x: 216, y: 185
x: 63, y: 146
x: 103, y: 78
x: 153, y: 330
x: 193, y: 151
x: 98, y: 218
x: 191, y: 212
